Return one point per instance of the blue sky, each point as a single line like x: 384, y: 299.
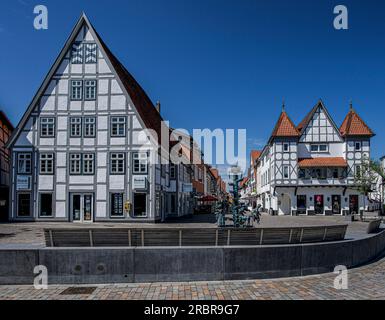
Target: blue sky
x: 216, y: 63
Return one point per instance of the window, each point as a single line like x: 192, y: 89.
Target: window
x: 172, y: 171
x: 90, y: 52
x: 140, y: 162
x: 314, y: 148
x: 47, y: 127
x: 77, y: 53
x: 46, y: 163
x: 89, y: 127
x: 75, y: 163
x: 285, y: 147
x: 285, y: 172
x: 90, y: 89
x: 24, y: 205
x: 46, y: 205
x: 319, y: 148
x: 357, y: 146
x: 117, y: 204
x: 335, y: 173
x: 117, y: 163
x: 323, y: 148
x: 301, y: 173
x: 118, y: 126
x: 75, y: 127
x: 88, y: 163
x: 76, y: 90
x: 24, y: 163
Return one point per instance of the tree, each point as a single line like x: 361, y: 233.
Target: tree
x: 377, y: 167
x: 366, y: 177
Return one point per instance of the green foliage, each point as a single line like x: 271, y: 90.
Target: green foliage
x: 367, y: 177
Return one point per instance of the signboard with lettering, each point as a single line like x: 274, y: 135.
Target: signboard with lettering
x: 139, y: 182
x: 23, y: 183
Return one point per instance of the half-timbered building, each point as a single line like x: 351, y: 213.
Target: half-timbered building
x: 79, y: 152
x: 6, y: 129
x: 310, y: 168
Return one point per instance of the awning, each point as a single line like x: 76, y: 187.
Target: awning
x: 208, y: 198
x: 322, y: 162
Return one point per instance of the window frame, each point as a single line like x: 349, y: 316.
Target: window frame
x: 70, y: 164
x: 111, y: 161
x: 86, y: 87
x: 77, y: 124
x: 85, y: 127
x: 139, y: 171
x: 46, y: 173
x: 30, y: 166
x: 83, y: 162
x: 118, y: 123
x: 42, y: 119
x: 318, y: 145
x: 81, y: 86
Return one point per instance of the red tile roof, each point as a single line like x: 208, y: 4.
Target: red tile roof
x: 285, y: 127
x: 322, y: 162
x: 353, y: 125
x: 255, y: 154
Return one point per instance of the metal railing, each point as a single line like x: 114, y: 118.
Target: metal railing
x: 190, y: 237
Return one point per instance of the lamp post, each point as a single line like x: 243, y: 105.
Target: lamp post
x: 235, y: 174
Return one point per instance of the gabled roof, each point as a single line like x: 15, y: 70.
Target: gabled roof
x: 147, y: 111
x: 284, y: 127
x: 214, y: 172
x: 305, y: 121
x: 255, y: 154
x: 353, y: 125
x: 322, y: 162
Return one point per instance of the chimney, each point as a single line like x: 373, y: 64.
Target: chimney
x: 157, y: 106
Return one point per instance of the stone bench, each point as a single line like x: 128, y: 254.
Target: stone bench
x: 186, y: 237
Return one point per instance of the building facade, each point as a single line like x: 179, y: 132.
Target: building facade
x: 6, y: 129
x: 87, y: 148
x: 310, y: 168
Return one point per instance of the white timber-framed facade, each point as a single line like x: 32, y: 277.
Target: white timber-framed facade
x: 79, y: 152
x: 310, y: 168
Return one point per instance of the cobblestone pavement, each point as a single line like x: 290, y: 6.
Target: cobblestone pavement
x: 367, y: 282
x: 27, y: 235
